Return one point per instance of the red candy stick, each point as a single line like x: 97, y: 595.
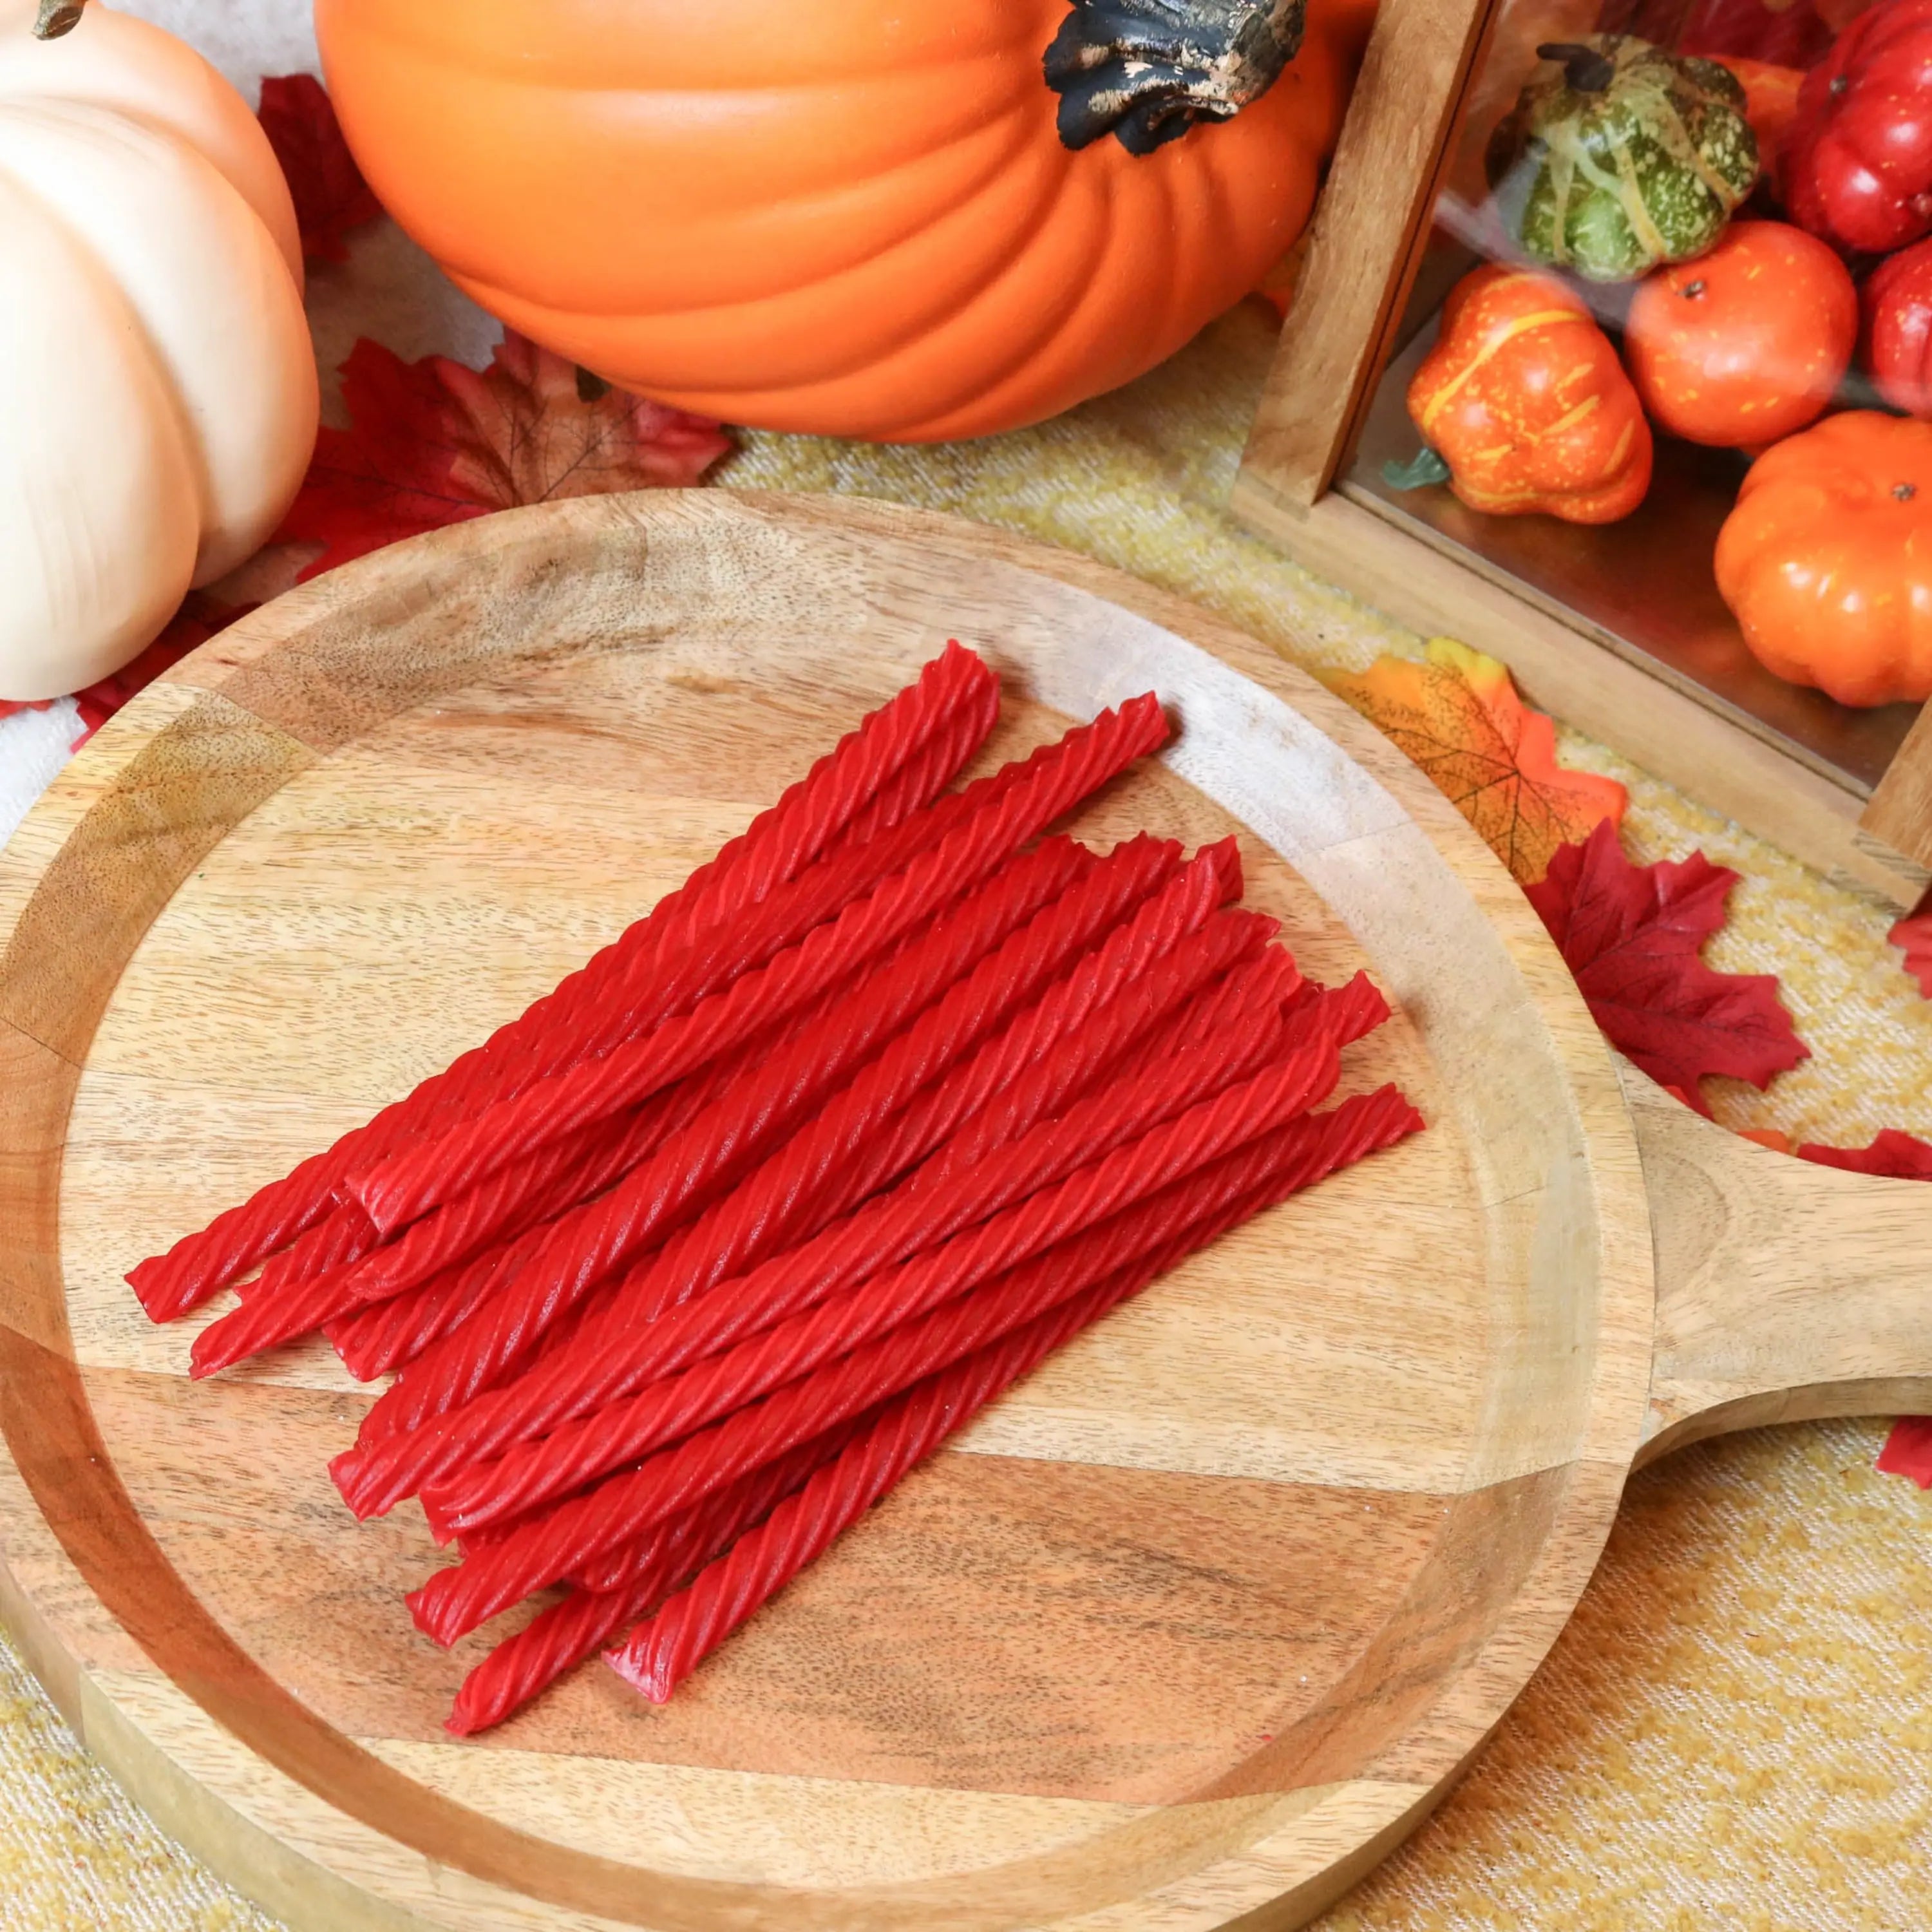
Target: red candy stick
x: 330, y: 1243
x: 414, y: 1179
x: 618, y: 1356
x: 568, y: 1633
x: 864, y: 1138
x: 455, y: 1600
x: 663, y: 1652
x: 1026, y: 1079
x: 954, y: 697
x: 589, y: 1246
x: 613, y: 1362
x: 583, y: 1165
x: 745, y: 1343
x: 1295, y: 1155
x: 389, y: 1334
x: 761, y: 1105
x: 763, y: 1212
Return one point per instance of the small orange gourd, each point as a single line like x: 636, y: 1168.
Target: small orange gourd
x: 1826, y: 561
x: 860, y: 217
x: 1524, y: 399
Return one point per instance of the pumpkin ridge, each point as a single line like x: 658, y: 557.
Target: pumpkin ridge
x: 1493, y: 342
x: 970, y: 292
x: 1684, y: 150
x: 1636, y: 210
x: 1584, y: 410
x: 996, y: 171
x: 90, y: 123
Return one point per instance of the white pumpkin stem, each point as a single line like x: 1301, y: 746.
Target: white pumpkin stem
x: 57, y: 17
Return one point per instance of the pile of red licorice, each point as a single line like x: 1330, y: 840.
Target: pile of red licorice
x: 687, y: 1267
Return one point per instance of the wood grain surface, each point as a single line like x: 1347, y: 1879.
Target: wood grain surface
x: 1193, y: 1625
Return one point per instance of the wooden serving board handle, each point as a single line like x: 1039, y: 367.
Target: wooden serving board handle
x: 1785, y: 1291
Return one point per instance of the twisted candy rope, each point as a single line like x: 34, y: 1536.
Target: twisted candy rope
x: 456, y: 1601
x: 414, y: 1179
x: 955, y: 696
x: 618, y: 1353
x: 633, y: 1582
x: 762, y: 1105
x: 591, y: 1243
x: 662, y: 1652
x: 754, y: 1343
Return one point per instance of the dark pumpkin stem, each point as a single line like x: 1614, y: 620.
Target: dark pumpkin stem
x: 1586, y: 70
x: 590, y: 388
x: 1146, y: 71
x: 57, y: 17
x: 1423, y: 469
x: 1905, y: 492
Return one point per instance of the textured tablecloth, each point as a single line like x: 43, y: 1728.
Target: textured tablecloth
x: 1735, y: 1732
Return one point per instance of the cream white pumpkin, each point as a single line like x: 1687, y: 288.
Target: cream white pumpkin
x: 157, y: 387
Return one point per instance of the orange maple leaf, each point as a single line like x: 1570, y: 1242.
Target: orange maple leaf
x: 1457, y: 713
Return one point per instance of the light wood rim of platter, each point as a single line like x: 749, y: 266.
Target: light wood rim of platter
x: 1453, y: 940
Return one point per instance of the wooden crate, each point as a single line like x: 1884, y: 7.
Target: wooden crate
x: 1617, y: 630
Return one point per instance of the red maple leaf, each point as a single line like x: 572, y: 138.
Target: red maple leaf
x: 1913, y: 937
x: 331, y: 197
x: 1896, y: 1155
x: 435, y: 443
x: 1632, y: 934
x: 1908, y: 1450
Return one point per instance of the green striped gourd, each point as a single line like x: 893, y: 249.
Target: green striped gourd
x: 1625, y: 156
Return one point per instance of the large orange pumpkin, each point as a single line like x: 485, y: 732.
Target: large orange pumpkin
x: 852, y: 217
x: 1826, y: 561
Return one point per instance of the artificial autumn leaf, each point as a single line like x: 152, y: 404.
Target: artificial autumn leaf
x: 330, y: 195
x: 1896, y: 1156
x: 1908, y: 1450
x: 435, y: 443
x: 1457, y: 715
x: 1632, y: 934
x: 1913, y: 937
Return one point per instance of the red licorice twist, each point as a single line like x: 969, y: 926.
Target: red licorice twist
x: 885, y: 1121
x: 751, y: 1345
x: 568, y: 1633
x: 413, y: 1180
x: 779, y: 844
x: 625, y: 1350
x: 454, y: 1601
x: 760, y: 1106
x: 662, y: 1653
x: 586, y: 1246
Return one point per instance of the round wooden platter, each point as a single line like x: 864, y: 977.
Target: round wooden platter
x: 1195, y: 1625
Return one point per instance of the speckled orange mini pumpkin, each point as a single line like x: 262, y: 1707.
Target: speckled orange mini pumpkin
x: 1826, y: 561
x: 858, y: 217
x: 1747, y: 343
x: 1524, y: 399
